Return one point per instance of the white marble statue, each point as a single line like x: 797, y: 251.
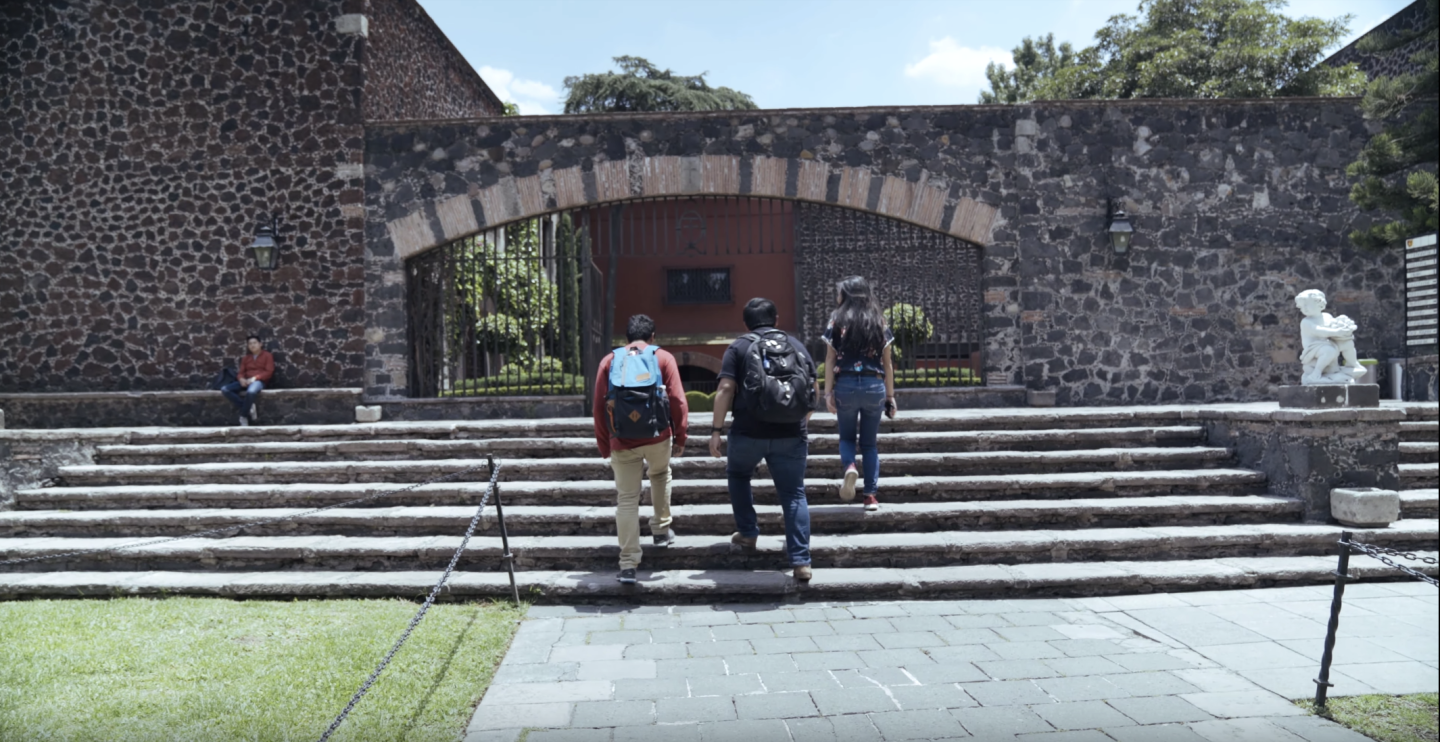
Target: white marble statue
x: 1327, y: 355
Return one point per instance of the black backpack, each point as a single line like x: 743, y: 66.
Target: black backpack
x: 779, y: 384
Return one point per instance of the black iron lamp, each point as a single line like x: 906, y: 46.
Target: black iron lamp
x: 1120, y: 229
x: 264, y: 248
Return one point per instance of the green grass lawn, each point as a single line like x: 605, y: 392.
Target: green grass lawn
x: 214, y: 669
x: 1410, y: 718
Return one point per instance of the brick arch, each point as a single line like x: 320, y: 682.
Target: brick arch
x: 700, y: 360
x: 925, y: 202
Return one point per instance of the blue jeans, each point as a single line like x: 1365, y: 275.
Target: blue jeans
x: 786, y: 458
x: 242, y: 400
x: 859, y: 402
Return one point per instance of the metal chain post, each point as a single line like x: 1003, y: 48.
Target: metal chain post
x: 1322, y: 683
x: 508, y: 557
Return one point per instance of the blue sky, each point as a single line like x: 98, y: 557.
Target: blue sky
x: 787, y: 53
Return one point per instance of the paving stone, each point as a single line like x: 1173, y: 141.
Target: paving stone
x: 935, y: 607
x: 920, y: 623
x: 1026, y: 650
x: 798, y: 681
x: 809, y: 628
x: 1154, y: 733
x: 852, y: 728
x: 743, y: 731
x: 1212, y: 634
x: 570, y: 639
x: 708, y: 618
x: 651, y: 621
x: 872, y: 677
x: 946, y: 672
x: 1081, y: 715
x: 909, y: 639
x: 520, y: 715
x: 613, y: 714
x: 689, y: 668
x: 1241, y: 704
x: 771, y: 616
x: 1016, y: 669
x: 725, y: 685
x: 1036, y: 618
x: 759, y: 663
x: 1088, y: 647
x: 672, y: 710
x: 926, y: 724
x: 988, y: 621
x: 1316, y: 729
x: 1088, y: 631
x: 966, y: 637
x: 616, y: 670
x: 828, y: 661
x: 881, y: 610
x: 494, y: 735
x: 1084, y: 688
x: 1151, y: 684
x: 995, y: 722
x: 1261, y: 656
x: 656, y: 652
x: 509, y: 674
x: 775, y: 706
x: 665, y: 733
x: 594, y: 623
x: 852, y: 701
x: 862, y: 626
x: 743, y: 631
x: 1078, y: 735
x: 1006, y: 693
x: 1150, y: 661
x: 569, y: 735
x: 894, y: 658
x: 1395, y: 678
x: 1028, y: 633
x: 846, y: 643
x: 1077, y: 666
x: 651, y: 689
x: 587, y: 653
x: 789, y: 645
x: 1242, y: 730
x: 720, y: 649
x: 912, y: 697
x: 1159, y: 710
x: 967, y: 653
x: 620, y: 637
x: 681, y: 636
x: 1215, y: 680
x: 590, y: 690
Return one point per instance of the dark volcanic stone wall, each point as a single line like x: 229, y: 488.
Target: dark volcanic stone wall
x: 1238, y: 205
x: 412, y: 71
x: 140, y: 144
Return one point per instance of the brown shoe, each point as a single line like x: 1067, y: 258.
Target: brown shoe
x: 803, y: 572
x: 748, y: 544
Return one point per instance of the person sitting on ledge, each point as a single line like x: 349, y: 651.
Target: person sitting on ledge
x: 1327, y: 355
x: 256, y: 368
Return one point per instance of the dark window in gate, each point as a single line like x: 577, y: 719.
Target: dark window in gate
x: 697, y: 286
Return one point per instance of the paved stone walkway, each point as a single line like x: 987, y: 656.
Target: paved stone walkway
x: 1216, y: 666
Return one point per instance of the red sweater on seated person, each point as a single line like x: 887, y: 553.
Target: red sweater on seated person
x: 259, y: 367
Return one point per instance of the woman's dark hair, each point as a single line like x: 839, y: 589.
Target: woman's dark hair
x: 859, y: 326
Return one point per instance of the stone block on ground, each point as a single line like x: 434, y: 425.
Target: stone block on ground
x: 1364, y: 507
x: 1324, y: 396
x: 368, y: 413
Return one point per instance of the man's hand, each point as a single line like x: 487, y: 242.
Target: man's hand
x: 677, y: 450
x: 715, y: 444
x: 830, y: 403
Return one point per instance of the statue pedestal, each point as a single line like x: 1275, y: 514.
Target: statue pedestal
x: 1329, y: 396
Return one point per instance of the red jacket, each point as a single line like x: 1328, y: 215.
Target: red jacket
x: 679, y: 412
x: 260, y: 367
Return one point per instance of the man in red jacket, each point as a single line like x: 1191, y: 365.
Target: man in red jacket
x: 257, y: 366
x: 629, y: 456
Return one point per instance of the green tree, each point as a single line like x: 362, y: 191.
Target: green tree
x: 641, y: 86
x: 1194, y: 49
x: 1035, y: 60
x: 1396, y: 170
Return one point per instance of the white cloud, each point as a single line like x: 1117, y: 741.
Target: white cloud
x: 953, y: 65
x: 533, y: 97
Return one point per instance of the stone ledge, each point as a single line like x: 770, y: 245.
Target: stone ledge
x: 177, y: 408
x: 1329, y: 396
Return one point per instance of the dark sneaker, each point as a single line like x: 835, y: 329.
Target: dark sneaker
x: 871, y: 504
x: 626, y: 576
x: 847, y: 488
x: 803, y: 572
x: 744, y: 542
x: 665, y: 539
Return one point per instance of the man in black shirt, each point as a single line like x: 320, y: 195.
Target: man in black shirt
x: 783, y: 447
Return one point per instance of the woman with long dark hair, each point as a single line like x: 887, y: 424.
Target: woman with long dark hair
x: 859, y: 382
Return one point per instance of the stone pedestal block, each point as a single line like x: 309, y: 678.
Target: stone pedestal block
x: 367, y: 413
x: 1365, y: 507
x: 2, y: 419
x: 1040, y: 399
x: 1328, y: 396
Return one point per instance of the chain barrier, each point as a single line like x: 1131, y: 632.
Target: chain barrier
x: 257, y: 524
x: 1383, y: 554
x: 429, y: 600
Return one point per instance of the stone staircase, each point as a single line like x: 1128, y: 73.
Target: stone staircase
x: 975, y: 503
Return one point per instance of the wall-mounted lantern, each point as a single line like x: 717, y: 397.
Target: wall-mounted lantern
x: 1120, y: 229
x: 264, y: 248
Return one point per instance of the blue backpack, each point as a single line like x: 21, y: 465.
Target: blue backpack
x: 636, y: 402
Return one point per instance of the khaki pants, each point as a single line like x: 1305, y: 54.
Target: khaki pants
x: 629, y: 471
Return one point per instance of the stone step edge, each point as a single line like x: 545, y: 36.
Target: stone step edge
x: 1009, y: 482
x: 216, y: 517
x: 976, y: 581
x: 194, y: 449
x: 605, y: 547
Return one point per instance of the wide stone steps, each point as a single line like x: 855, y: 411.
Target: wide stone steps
x: 1420, y: 453
x: 1421, y: 503
x: 716, y: 585
x: 700, y: 552
x: 525, y: 520
x: 1420, y: 430
x: 584, y: 447
x: 601, y: 492
x: 595, y: 468
x: 1419, y: 476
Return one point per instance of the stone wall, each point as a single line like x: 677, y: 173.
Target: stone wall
x: 1238, y: 205
x: 142, y: 142
x: 1409, y: 20
x: 412, y: 71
